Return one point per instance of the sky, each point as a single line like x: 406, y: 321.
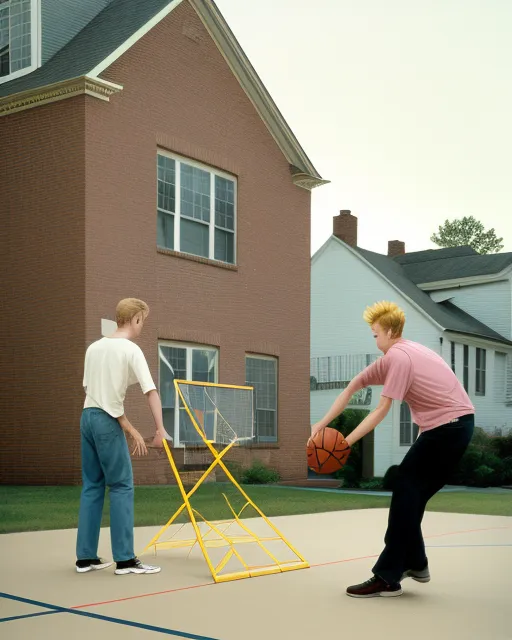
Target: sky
x: 404, y: 105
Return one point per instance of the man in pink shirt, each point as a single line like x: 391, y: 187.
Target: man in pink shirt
x: 445, y: 415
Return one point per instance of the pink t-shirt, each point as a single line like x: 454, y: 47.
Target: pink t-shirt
x: 412, y: 373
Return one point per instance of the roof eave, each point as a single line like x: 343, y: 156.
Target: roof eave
x: 304, y: 173
x: 95, y: 87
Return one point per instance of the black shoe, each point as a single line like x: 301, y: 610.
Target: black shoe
x: 374, y: 587
x: 419, y: 576
x: 93, y: 564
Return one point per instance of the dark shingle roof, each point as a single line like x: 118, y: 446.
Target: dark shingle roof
x: 101, y: 37
x: 436, y: 265
x: 449, y: 316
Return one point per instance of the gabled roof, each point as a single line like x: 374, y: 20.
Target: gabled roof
x: 118, y: 27
x: 438, y: 265
x: 445, y: 314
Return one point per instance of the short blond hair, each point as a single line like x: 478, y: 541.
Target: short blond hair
x: 388, y: 315
x: 128, y: 308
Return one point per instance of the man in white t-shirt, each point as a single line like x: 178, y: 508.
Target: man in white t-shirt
x: 112, y: 364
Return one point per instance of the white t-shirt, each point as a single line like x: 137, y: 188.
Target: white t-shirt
x: 111, y: 366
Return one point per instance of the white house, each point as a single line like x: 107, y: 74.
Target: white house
x: 457, y: 302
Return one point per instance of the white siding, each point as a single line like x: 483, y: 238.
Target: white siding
x: 342, y: 286
x: 490, y: 303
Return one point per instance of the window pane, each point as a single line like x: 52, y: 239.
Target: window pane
x: 224, y: 203
x: 195, y: 193
x: 172, y: 364
x: 165, y: 230
x: 194, y: 237
x: 224, y: 246
x: 262, y: 375
x: 203, y: 365
x: 166, y: 184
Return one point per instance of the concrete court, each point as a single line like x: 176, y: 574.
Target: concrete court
x: 468, y: 598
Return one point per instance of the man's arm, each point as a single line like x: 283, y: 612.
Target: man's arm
x: 155, y: 404
x: 338, y: 406
x: 371, y: 420
x: 140, y: 446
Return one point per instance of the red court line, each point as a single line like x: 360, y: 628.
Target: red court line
x: 313, y: 566
x: 143, y: 595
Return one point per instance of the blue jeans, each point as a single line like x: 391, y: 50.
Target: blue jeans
x: 105, y: 462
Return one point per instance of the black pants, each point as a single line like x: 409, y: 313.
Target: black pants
x: 426, y: 468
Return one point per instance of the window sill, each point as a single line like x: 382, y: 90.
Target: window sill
x: 193, y: 258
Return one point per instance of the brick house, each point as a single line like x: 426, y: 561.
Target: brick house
x: 142, y: 156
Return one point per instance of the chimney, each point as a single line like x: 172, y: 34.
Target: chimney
x: 344, y: 227
x: 396, y: 248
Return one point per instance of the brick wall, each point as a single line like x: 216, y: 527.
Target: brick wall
x: 180, y: 94
x: 42, y: 201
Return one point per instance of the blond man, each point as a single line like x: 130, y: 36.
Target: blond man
x: 444, y: 413
x: 112, y: 364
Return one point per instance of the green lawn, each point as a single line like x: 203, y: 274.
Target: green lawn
x: 42, y: 508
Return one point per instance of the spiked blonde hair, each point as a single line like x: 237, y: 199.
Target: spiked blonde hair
x: 388, y: 315
x: 128, y: 308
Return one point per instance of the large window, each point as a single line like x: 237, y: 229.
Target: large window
x: 18, y: 37
x: 183, y: 362
x: 408, y: 429
x: 480, y: 372
x: 196, y: 209
x: 261, y: 373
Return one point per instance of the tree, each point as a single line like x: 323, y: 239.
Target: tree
x: 467, y: 231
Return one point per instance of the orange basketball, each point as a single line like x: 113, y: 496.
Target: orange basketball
x: 328, y: 451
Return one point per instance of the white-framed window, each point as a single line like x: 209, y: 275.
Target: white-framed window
x: 480, y: 372
x: 183, y: 362
x: 196, y: 209
x: 261, y: 373
x: 19, y: 38
x: 452, y: 355
x: 408, y: 429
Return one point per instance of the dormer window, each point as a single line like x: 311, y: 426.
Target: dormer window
x: 19, y: 42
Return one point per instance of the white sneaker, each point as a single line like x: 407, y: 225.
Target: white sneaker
x: 137, y: 567
x: 93, y: 565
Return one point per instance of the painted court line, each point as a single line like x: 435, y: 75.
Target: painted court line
x: 96, y: 616
x: 313, y: 566
x: 29, y: 615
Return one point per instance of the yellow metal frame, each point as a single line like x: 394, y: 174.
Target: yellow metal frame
x: 222, y: 528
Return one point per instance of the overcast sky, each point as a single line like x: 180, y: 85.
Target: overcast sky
x: 404, y: 105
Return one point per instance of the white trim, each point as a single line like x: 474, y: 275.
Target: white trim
x: 134, y: 38
x: 476, y: 341
x: 214, y: 172
x: 189, y: 347
x: 456, y: 283
x: 35, y: 44
x: 265, y: 439
x: 96, y: 87
x: 375, y: 270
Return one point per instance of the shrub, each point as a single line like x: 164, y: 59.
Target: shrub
x: 259, y: 473
x: 486, y: 462
x: 374, y: 484
x: 352, y: 472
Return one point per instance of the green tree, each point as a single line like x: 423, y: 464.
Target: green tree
x: 467, y: 231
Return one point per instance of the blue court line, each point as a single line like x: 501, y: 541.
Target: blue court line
x: 76, y: 612
x: 29, y: 615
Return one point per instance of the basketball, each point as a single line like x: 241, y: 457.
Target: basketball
x: 327, y: 451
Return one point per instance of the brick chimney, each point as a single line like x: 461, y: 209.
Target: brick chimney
x: 344, y: 227
x: 396, y: 248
